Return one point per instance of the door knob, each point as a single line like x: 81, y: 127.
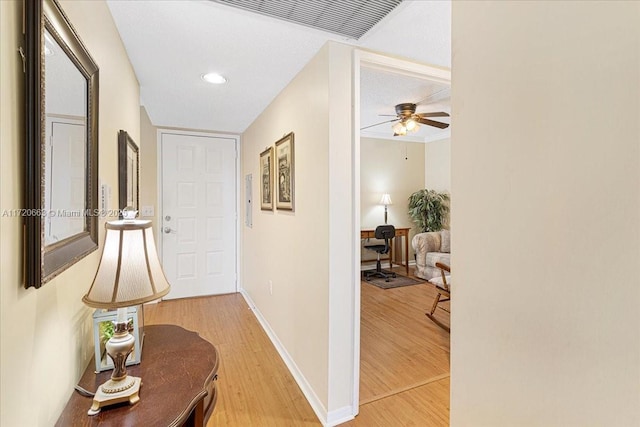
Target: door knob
x: 168, y: 230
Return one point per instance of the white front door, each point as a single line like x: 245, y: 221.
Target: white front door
x: 198, y: 214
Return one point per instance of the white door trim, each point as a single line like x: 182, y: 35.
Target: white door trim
x: 373, y: 60
x: 236, y: 139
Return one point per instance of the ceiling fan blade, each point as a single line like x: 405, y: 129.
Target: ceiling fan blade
x: 436, y: 114
x: 433, y: 123
x: 386, y: 121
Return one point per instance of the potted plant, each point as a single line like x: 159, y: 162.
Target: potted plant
x: 429, y: 209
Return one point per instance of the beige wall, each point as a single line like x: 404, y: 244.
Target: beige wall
x: 437, y: 175
x: 394, y: 167
x: 149, y: 169
x: 437, y: 164
x: 294, y: 249
x: 546, y: 211
x: 46, y: 336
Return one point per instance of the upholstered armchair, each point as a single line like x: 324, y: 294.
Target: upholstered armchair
x: 430, y: 248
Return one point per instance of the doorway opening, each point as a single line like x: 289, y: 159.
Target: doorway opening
x: 390, y: 346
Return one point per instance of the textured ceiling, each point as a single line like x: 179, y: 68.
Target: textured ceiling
x: 172, y: 43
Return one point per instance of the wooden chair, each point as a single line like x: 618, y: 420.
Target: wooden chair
x: 443, y: 288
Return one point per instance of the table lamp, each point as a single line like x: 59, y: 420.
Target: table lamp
x: 129, y: 274
x: 386, y: 201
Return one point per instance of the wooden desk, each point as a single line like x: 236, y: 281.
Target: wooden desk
x: 396, y: 247
x: 178, y: 372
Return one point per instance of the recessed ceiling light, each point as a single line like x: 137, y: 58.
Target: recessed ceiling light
x: 214, y: 78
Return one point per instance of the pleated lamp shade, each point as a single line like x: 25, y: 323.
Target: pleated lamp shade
x: 386, y: 200
x: 129, y: 272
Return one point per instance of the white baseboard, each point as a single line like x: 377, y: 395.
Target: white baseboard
x: 340, y: 416
x: 307, y: 390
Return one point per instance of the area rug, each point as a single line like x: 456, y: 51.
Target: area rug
x: 396, y: 282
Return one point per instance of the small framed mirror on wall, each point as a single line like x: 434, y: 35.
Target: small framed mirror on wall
x: 61, y: 152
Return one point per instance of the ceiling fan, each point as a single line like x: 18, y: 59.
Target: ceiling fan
x: 409, y: 121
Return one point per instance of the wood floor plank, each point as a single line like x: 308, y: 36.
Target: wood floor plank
x: 255, y: 387
x: 399, y: 345
x: 404, y: 361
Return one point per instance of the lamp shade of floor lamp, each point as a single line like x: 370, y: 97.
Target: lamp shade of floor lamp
x: 129, y: 274
x: 386, y: 201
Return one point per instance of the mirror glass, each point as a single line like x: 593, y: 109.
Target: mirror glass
x: 65, y: 144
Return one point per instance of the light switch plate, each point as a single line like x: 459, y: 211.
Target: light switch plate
x: 105, y: 196
x: 147, y: 211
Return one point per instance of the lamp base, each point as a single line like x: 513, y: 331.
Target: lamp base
x: 112, y: 392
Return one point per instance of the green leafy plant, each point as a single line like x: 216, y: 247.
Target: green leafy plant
x: 429, y: 209
x: 106, y: 330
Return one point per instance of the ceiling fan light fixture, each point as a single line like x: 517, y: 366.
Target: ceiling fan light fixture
x: 408, y: 121
x: 214, y: 78
x: 411, y: 125
x: 399, y: 129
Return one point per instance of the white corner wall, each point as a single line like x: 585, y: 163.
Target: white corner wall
x: 546, y: 211
x: 307, y: 254
x: 46, y: 334
x: 343, y: 404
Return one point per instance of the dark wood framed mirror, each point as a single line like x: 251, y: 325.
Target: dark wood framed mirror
x: 128, y: 172
x: 61, y: 151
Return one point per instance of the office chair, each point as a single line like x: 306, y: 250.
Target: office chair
x: 385, y: 232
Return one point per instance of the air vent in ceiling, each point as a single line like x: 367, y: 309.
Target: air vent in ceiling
x: 350, y: 18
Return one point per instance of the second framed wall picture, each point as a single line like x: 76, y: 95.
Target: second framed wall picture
x: 128, y: 172
x: 266, y: 179
x: 285, y: 173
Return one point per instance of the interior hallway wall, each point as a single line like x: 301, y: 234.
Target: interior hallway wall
x: 297, y: 266
x: 546, y: 213
x: 46, y: 334
x: 149, y: 169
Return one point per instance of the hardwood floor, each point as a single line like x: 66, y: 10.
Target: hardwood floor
x: 404, y: 361
x: 399, y: 346
x: 255, y: 387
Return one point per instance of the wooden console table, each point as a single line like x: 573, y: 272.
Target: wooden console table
x: 178, y: 372
x: 404, y: 258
